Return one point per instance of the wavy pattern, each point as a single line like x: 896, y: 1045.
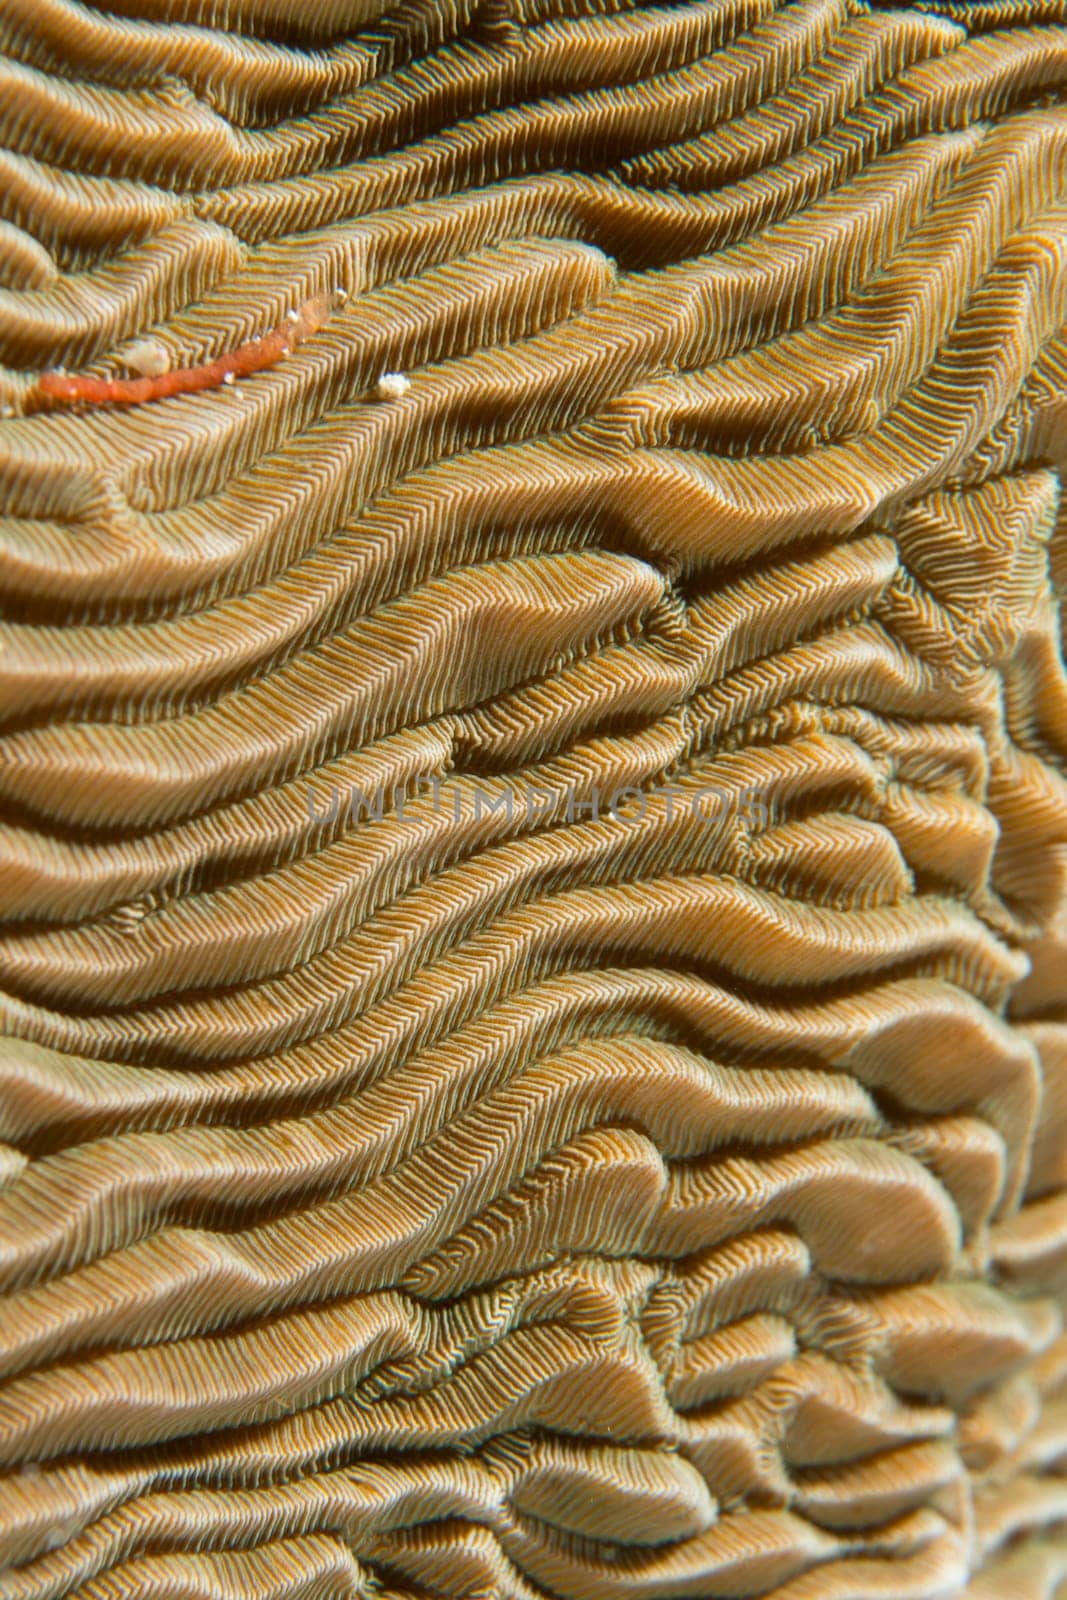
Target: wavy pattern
x: 535, y: 901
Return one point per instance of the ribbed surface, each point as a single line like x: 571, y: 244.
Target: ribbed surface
x: 415, y: 1184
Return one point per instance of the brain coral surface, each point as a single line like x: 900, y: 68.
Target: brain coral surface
x: 533, y: 800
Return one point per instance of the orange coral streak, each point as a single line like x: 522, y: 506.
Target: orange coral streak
x: 240, y: 363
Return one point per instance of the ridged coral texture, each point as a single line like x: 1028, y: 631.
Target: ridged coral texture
x: 533, y: 800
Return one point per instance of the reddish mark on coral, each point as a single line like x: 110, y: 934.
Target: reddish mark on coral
x: 240, y: 363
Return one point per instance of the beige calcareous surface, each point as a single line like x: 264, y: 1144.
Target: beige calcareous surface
x: 533, y: 830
